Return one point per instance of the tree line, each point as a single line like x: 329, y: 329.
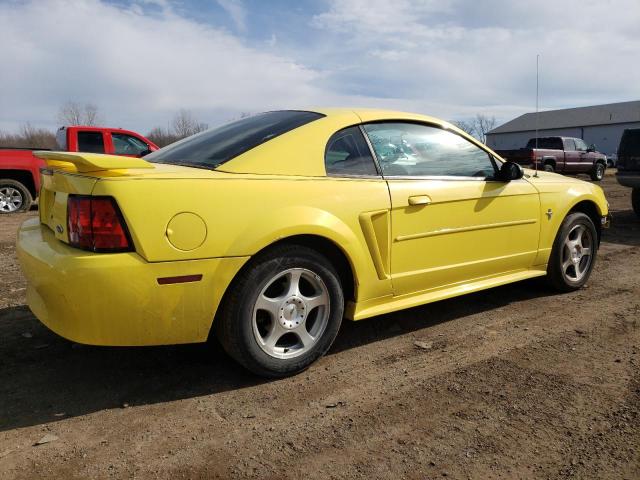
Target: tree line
x: 182, y: 125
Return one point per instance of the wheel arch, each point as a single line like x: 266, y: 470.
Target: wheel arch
x: 24, y: 177
x: 602, y: 161
x: 591, y: 209
x: 324, y: 246
x: 319, y: 243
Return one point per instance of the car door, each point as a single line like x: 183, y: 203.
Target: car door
x: 451, y: 221
x: 571, y: 156
x: 585, y: 157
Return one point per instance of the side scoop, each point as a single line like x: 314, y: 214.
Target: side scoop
x: 90, y: 162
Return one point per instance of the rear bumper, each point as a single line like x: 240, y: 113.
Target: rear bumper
x: 116, y: 299
x: 629, y: 179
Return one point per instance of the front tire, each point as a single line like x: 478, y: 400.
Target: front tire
x: 635, y: 200
x: 598, y: 172
x: 573, y: 254
x: 282, y: 312
x: 14, y: 196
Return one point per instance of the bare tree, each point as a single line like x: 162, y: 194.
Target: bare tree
x: 483, y: 125
x: 90, y: 114
x: 464, y: 125
x: 29, y: 137
x: 478, y: 126
x: 162, y: 136
x: 185, y: 125
x: 74, y: 113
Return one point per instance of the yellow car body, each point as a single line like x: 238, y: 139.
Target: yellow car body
x: 406, y: 241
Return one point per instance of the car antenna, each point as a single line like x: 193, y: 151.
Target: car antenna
x: 535, y: 159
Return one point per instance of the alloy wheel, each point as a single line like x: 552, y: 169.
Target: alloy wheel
x: 10, y: 199
x: 291, y: 313
x: 577, y: 253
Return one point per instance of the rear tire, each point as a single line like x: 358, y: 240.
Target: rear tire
x: 14, y: 196
x: 282, y: 312
x: 574, y: 253
x: 635, y: 200
x: 598, y: 172
x: 548, y: 167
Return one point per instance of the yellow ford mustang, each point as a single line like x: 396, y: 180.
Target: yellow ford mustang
x: 266, y: 232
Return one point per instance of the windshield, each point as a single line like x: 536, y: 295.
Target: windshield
x: 216, y: 146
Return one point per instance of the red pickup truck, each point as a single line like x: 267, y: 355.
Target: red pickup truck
x: 20, y: 170
x: 560, y: 154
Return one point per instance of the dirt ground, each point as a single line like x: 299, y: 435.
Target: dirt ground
x: 514, y: 382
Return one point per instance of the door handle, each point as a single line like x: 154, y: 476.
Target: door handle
x: 419, y: 200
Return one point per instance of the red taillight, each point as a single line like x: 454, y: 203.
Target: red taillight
x: 95, y: 223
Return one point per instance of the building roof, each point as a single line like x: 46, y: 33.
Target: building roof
x: 574, y: 117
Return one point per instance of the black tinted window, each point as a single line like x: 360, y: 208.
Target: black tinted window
x: 348, y: 154
x: 91, y: 142
x: 218, y: 145
x: 547, y: 143
x: 420, y: 150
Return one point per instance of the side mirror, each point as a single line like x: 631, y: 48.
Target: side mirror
x: 510, y: 171
x: 591, y: 148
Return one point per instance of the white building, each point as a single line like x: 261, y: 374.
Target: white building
x: 601, y: 125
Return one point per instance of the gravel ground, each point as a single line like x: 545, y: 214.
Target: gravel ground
x: 514, y: 382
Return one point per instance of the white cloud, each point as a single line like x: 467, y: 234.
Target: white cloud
x: 142, y: 63
x: 236, y: 11
x: 137, y: 68
x: 466, y: 56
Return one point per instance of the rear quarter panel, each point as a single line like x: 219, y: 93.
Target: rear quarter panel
x: 246, y: 213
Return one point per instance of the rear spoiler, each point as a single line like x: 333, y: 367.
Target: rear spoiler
x: 90, y: 162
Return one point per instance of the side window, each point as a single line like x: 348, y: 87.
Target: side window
x: 127, y: 145
x: 418, y: 150
x: 347, y: 153
x: 90, y: 142
x: 580, y: 145
x: 569, y: 144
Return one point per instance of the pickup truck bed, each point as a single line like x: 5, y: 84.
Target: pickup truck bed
x: 561, y: 155
x: 20, y: 169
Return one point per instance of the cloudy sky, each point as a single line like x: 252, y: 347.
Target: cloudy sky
x: 140, y: 61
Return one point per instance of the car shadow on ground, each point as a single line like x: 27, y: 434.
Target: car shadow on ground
x: 624, y: 230
x: 44, y: 378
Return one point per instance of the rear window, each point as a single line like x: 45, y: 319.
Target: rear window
x: 630, y: 143
x: 91, y: 142
x: 547, y: 143
x: 219, y: 145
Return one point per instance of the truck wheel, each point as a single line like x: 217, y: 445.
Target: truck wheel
x: 573, y: 254
x: 14, y: 196
x: 598, y: 172
x: 282, y: 313
x: 635, y: 200
x: 548, y: 167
